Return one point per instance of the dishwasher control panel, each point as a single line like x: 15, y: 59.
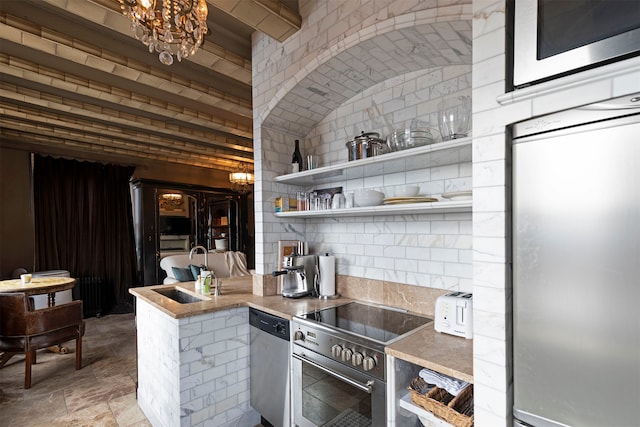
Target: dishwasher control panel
x: 274, y: 325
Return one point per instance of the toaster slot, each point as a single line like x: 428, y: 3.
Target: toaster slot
x: 460, y: 311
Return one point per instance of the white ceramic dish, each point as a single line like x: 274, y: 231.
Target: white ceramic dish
x: 407, y: 191
x: 457, y: 195
x: 401, y: 200
x: 365, y: 198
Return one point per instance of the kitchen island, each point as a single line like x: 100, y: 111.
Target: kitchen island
x: 193, y: 358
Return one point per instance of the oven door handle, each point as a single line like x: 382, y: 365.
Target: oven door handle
x: 367, y: 388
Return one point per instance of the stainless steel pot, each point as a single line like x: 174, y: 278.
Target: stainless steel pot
x: 366, y: 145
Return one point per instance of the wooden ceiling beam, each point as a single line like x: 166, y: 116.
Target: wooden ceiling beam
x: 118, y: 105
x: 105, y: 146
x: 149, y: 80
x: 271, y: 17
x: 24, y: 119
x: 107, y: 14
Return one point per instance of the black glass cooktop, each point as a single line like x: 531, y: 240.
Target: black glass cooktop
x: 376, y: 323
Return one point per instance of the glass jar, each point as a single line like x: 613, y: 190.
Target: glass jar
x: 454, y: 117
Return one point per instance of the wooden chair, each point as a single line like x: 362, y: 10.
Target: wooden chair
x: 23, y: 330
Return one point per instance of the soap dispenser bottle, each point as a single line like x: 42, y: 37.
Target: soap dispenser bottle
x: 199, y: 284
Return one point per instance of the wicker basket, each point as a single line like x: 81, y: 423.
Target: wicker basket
x: 454, y: 412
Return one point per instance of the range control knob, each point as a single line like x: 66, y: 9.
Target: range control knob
x: 357, y: 358
x: 368, y: 363
x: 298, y: 336
x: 346, y: 354
x: 336, y: 350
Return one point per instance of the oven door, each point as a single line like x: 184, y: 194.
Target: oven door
x: 328, y: 393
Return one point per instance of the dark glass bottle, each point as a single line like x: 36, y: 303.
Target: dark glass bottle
x: 296, y: 159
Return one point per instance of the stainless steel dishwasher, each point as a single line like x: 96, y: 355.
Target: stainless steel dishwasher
x: 270, y: 361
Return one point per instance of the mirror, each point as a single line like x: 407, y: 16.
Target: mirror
x: 177, y: 219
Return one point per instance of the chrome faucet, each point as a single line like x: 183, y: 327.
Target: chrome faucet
x: 195, y: 249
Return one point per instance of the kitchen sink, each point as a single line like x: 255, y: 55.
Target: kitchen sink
x: 178, y: 295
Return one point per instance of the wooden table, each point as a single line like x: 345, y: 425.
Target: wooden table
x: 38, y: 286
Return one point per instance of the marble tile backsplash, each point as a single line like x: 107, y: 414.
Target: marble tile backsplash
x: 421, y: 250
x: 415, y: 299
x: 394, y: 62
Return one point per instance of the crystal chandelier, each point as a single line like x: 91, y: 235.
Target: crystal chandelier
x: 170, y: 27
x: 241, y: 180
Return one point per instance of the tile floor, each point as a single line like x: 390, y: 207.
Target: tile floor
x: 102, y: 393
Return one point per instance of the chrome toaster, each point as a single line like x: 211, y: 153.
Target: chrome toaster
x: 454, y: 314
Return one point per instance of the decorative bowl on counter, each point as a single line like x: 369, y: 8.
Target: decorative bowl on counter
x: 364, y: 198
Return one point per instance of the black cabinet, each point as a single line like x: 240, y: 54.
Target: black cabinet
x: 172, y: 218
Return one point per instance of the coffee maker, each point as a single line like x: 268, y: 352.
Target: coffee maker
x: 300, y: 275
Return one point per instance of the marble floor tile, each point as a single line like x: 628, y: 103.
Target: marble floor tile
x: 102, y: 390
x: 96, y: 416
x: 102, y: 393
x: 126, y: 411
x: 33, y: 411
x: 108, y: 367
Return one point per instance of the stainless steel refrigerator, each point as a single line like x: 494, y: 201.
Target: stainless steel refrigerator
x: 576, y: 267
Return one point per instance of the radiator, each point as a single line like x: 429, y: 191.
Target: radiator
x: 89, y: 290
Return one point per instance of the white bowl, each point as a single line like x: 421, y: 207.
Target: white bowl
x: 407, y: 191
x: 221, y: 244
x: 365, y: 198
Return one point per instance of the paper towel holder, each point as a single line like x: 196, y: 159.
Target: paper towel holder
x: 320, y: 296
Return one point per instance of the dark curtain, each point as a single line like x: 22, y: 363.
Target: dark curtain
x: 83, y: 223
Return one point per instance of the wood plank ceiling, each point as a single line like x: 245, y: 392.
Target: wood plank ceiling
x: 75, y: 82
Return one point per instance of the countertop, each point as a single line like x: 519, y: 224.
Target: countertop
x: 424, y: 347
x: 447, y: 354
x: 236, y: 292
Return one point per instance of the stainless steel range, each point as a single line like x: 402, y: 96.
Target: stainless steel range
x: 339, y: 363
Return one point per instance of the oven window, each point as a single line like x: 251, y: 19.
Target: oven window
x: 328, y: 401
x: 569, y: 24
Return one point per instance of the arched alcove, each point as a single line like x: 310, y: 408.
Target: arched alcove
x: 377, y: 53
x: 311, y: 99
